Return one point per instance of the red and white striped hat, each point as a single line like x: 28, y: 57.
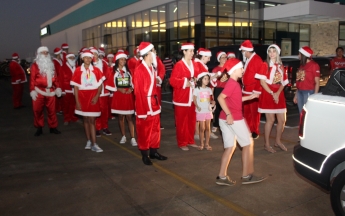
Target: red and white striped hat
x: 204, y: 52
x: 57, y: 51
x: 306, y: 51
x: 247, y: 46
x: 219, y: 54
x: 186, y: 46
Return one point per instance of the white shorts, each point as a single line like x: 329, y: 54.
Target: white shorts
x: 238, y: 131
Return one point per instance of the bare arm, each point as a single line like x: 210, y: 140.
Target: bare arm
x: 222, y: 103
x: 95, y: 98
x: 317, y: 84
x: 196, y: 103
x: 76, y: 95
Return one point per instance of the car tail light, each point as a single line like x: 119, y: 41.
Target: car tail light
x: 288, y: 71
x: 301, y: 123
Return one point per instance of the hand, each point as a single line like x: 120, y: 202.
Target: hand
x: 229, y: 119
x: 276, y: 97
x: 224, y: 78
x: 213, y: 103
x: 129, y: 91
x: 94, y: 100
x: 121, y: 90
x: 158, y: 81
x: 295, y: 99
x: 77, y: 106
x: 199, y: 108
x: 252, y: 96
x: 33, y: 95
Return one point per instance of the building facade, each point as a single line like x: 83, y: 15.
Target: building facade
x: 207, y: 23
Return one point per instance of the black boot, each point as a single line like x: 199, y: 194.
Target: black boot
x: 155, y: 155
x: 38, y: 131
x: 145, y: 157
x: 54, y: 131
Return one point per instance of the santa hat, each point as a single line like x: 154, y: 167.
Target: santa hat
x: 110, y: 55
x: 42, y: 49
x: 101, y: 49
x: 274, y: 46
x: 91, y: 47
x: 247, y: 46
x: 126, y: 52
x: 219, y: 54
x: 101, y: 53
x: 231, y: 65
x: 94, y: 50
x: 87, y: 53
x: 230, y: 54
x: 186, y: 46
x: 145, y: 47
x: 120, y: 55
x: 70, y: 55
x: 57, y: 51
x: 120, y: 50
x: 15, y: 56
x: 200, y: 75
x: 306, y: 51
x: 64, y: 46
x: 136, y: 50
x: 82, y: 49
x: 204, y: 52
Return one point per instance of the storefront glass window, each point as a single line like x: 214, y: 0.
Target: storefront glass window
x: 282, y: 26
x: 161, y: 14
x: 131, y: 22
x: 146, y: 18
x: 225, y: 8
x: 225, y: 28
x: 255, y: 28
x: 211, y: 7
x: 172, y: 11
x: 192, y: 6
x: 241, y: 28
x: 192, y: 27
x: 270, y: 30
x: 210, y: 27
x: 254, y: 10
x: 210, y: 42
x: 138, y: 20
x: 154, y: 16
x: 293, y: 27
x: 182, y: 9
x: 241, y: 9
x: 342, y: 32
x: 183, y: 28
x: 304, y: 32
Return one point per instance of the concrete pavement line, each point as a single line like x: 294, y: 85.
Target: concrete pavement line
x: 210, y: 194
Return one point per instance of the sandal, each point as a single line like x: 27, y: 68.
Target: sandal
x: 281, y: 146
x: 201, y: 147
x: 208, y: 147
x: 269, y: 149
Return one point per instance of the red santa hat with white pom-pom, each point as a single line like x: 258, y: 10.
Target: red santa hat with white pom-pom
x: 15, y: 56
x: 231, y: 65
x: 87, y: 53
x: 204, y: 52
x: 230, y: 54
x: 202, y: 74
x: 247, y: 46
x: 64, y: 46
x: 219, y: 54
x: 186, y: 46
x: 274, y: 46
x: 145, y: 47
x: 57, y: 51
x: 306, y: 51
x: 120, y: 55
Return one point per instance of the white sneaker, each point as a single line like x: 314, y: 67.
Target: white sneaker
x: 214, y: 129
x: 123, y: 140
x: 196, y: 137
x: 134, y: 142
x: 96, y: 148
x: 213, y: 136
x: 88, y: 145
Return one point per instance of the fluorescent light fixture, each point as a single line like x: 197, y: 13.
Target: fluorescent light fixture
x: 270, y: 5
x: 44, y: 31
x: 175, y: 10
x: 161, y: 11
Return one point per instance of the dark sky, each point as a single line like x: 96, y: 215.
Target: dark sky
x: 20, y: 22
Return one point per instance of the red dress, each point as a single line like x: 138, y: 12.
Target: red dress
x: 274, y: 77
x: 88, y: 83
x: 122, y: 104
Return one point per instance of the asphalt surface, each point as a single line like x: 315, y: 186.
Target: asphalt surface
x: 54, y: 175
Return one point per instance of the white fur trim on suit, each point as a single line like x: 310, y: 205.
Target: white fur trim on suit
x: 47, y: 93
x: 272, y: 110
x: 260, y: 76
x: 92, y: 114
x: 122, y: 112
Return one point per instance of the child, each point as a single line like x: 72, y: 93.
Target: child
x: 202, y: 100
x: 87, y: 81
x: 234, y: 127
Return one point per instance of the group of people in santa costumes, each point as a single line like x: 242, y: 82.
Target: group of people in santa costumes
x: 18, y: 78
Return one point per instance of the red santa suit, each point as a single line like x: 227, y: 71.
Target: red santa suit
x: 185, y: 117
x: 44, y: 86
x: 18, y: 78
x: 111, y: 94
x: 132, y: 63
x: 102, y: 121
x: 251, y: 85
x: 88, y: 81
x: 274, y: 76
x: 160, y: 73
x: 57, y: 66
x: 147, y: 107
x: 66, y: 73
x: 122, y: 104
x: 337, y: 63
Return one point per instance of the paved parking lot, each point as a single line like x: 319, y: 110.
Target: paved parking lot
x: 54, y: 175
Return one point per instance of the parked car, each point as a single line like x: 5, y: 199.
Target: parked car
x: 320, y: 156
x: 5, y: 69
x: 291, y: 65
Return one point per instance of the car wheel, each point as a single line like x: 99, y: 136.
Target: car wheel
x: 338, y: 194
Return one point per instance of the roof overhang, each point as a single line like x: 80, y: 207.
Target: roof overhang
x: 306, y: 12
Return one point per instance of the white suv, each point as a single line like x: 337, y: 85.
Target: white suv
x: 320, y: 156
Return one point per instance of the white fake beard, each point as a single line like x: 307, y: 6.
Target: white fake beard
x: 46, y: 66
x: 154, y: 60
x: 71, y: 62
x: 244, y: 57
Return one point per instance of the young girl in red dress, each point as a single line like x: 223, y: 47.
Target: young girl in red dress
x: 88, y: 83
x: 120, y: 82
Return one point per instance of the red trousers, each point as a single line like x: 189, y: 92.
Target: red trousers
x: 251, y: 114
x: 102, y: 121
x: 58, y: 104
x: 185, y: 119
x: 38, y: 106
x: 17, y: 94
x: 68, y: 108
x: 109, y: 107
x: 148, y: 132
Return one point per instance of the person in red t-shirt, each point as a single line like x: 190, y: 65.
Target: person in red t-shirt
x: 339, y: 60
x: 307, y: 77
x: 234, y: 127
